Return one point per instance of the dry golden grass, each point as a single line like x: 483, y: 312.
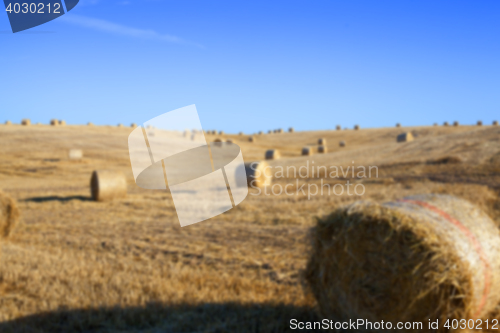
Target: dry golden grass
x: 75, y: 265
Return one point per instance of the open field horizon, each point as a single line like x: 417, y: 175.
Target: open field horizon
x: 73, y: 264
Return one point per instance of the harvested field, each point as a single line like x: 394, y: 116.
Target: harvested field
x: 76, y: 265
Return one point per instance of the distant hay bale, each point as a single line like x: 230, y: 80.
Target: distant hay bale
x: 291, y: 130
x: 479, y: 123
x: 321, y: 141
x: 356, y: 127
x: 133, y: 125
x: 260, y: 133
x: 25, y: 122
x: 62, y: 122
x: 240, y: 133
x: 221, y: 132
x: 398, y: 125
x: 426, y: 257
x: 269, y: 132
x: 106, y: 185
x: 229, y: 141
x: 258, y: 174
x: 435, y: 124
x: 306, y: 151
x: 279, y: 130
x: 338, y: 127
x: 218, y: 142
x: 54, y: 122
x: 8, y: 122
x: 446, y: 123
x: 342, y: 144
x: 9, y: 215
x: 75, y: 154
x: 405, y: 137
x: 119, y: 125
x: 455, y: 123
x: 251, y: 139
x: 322, y: 149
x: 495, y: 123
x: 272, y: 154
x: 90, y: 124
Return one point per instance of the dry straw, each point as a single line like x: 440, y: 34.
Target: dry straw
x: 272, y: 154
x: 106, y: 185
x: 258, y: 174
x: 75, y: 154
x: 25, y: 122
x: 54, y: 122
x: 306, y: 151
x: 322, y: 149
x: 9, y: 215
x: 342, y: 144
x: 420, y: 258
x: 405, y: 137
x: 321, y: 141
x: 356, y: 127
x: 62, y: 122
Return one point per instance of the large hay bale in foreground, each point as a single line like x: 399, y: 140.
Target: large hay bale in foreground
x: 9, y: 215
x: 258, y: 174
x: 25, y: 122
x: 405, y: 137
x: 272, y: 154
x: 106, y: 185
x: 420, y: 258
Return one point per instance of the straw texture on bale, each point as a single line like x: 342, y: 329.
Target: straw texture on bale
x: 75, y: 154
x: 420, y: 258
x: 342, y: 144
x: 322, y: 149
x: 8, y: 122
x: 405, y: 137
x: 356, y: 127
x: 258, y: 174
x: 338, y: 127
x: 272, y: 154
x: 321, y: 141
x: 25, y: 122
x: 479, y: 123
x: 62, y: 122
x: 106, y: 185
x: 306, y: 151
x: 9, y: 215
x: 54, y: 122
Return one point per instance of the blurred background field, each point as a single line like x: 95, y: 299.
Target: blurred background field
x: 73, y: 264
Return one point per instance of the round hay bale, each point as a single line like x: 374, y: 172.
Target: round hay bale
x: 54, y: 122
x: 106, y: 185
x: 279, y: 130
x: 321, y: 141
x: 272, y: 154
x: 338, y: 127
x: 8, y: 122
x: 306, y: 151
x: 240, y: 133
x: 218, y: 142
x: 342, y: 143
x: 119, y: 125
x: 456, y: 123
x: 322, y: 149
x: 405, y: 137
x: 229, y: 141
x: 435, y: 124
x: 260, y: 133
x: 495, y: 123
x: 133, y: 125
x: 446, y: 123
x: 269, y: 132
x: 221, y: 132
x: 62, y: 122
x: 251, y: 139
x: 291, y: 130
x: 25, y: 122
x: 258, y: 174
x: 420, y: 258
x: 90, y: 124
x: 75, y: 154
x: 9, y: 215
x: 356, y: 127
x: 398, y: 125
x: 479, y: 123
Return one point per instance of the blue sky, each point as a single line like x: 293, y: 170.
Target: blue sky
x: 257, y: 65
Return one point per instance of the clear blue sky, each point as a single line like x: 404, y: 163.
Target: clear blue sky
x: 257, y: 65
